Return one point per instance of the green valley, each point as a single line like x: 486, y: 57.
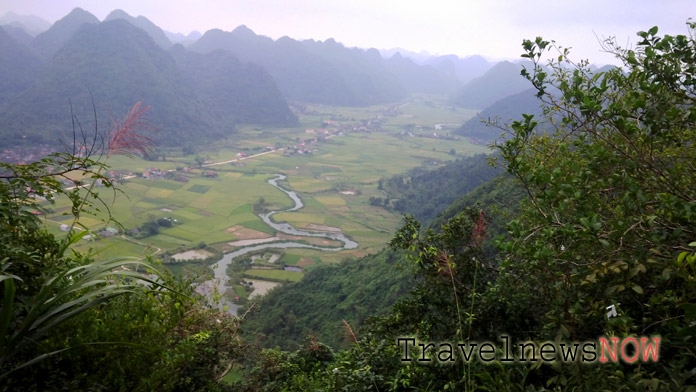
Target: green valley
x: 208, y: 200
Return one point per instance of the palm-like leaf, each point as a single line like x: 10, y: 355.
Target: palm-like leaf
x: 65, y: 295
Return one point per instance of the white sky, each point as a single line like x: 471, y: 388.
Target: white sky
x: 493, y: 28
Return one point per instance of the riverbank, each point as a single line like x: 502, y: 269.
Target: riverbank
x: 216, y: 288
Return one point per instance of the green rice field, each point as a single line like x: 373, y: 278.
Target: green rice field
x: 335, y: 177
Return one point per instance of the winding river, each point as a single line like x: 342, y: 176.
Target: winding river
x: 220, y: 271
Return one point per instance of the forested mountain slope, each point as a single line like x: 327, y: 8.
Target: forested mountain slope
x: 310, y: 71
x: 237, y: 91
x: 502, y: 80
x: 52, y: 40
x: 502, y: 113
x: 114, y: 64
x: 18, y: 65
x: 425, y: 192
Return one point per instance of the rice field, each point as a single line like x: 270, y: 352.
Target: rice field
x: 335, y: 180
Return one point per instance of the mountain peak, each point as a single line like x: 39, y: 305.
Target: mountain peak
x: 79, y: 13
x: 30, y: 23
x: 143, y: 23
x: 243, y: 31
x: 51, y: 40
x: 117, y: 14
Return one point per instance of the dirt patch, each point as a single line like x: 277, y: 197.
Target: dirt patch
x: 245, y: 233
x: 197, y: 254
x: 290, y: 237
x: 206, y: 288
x: 316, y: 227
x: 252, y: 242
x: 312, y: 240
x: 261, y: 287
x: 322, y: 241
x: 305, y: 262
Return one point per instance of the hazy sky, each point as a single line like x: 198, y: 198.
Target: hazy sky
x: 493, y: 28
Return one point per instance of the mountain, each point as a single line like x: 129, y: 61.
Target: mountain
x: 144, y: 23
x: 18, y: 33
x: 237, y: 91
x: 116, y: 64
x: 505, y: 110
x: 31, y: 24
x: 311, y: 71
x: 51, y: 40
x: 419, y: 58
x: 178, y: 38
x: 422, y: 78
x: 466, y: 69
x: 19, y: 66
x: 501, y: 81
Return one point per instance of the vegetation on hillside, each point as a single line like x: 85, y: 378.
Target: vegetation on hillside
x: 353, y: 290
x: 501, y: 112
x: 424, y: 192
x: 237, y: 92
x: 603, y: 247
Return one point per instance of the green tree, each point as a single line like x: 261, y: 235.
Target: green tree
x: 611, y: 202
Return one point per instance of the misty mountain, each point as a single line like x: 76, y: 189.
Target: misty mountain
x: 419, y: 58
x: 503, y: 111
x: 510, y: 109
x: 19, y: 66
x: 501, y: 81
x: 31, y: 24
x: 311, y: 71
x: 51, y: 40
x: 178, y: 38
x: 422, y: 78
x: 466, y: 69
x: 237, y: 91
x: 119, y: 64
x: 363, y: 71
x: 156, y: 33
x: 17, y: 33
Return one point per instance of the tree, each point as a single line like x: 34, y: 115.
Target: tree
x: 611, y: 200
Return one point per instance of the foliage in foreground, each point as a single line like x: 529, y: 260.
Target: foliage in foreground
x: 609, y: 219
x: 70, y: 322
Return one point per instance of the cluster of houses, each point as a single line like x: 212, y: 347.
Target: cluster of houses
x: 153, y: 173
x: 106, y: 232
x: 28, y: 154
x: 302, y: 147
